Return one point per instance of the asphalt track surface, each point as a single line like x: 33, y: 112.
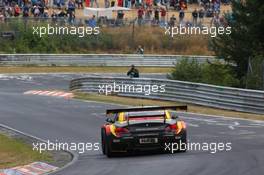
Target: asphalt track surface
x: 52, y: 118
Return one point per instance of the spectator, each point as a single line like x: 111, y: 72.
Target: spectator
x: 54, y: 16
x: 112, y: 3
x: 46, y: 13
x: 58, y: 3
x: 26, y: 10
x: 156, y: 16
x: 195, y: 17
x: 140, y: 15
x: 80, y: 4
x: 107, y: 3
x: 163, y: 15
x: 133, y: 72
x: 62, y: 13
x: 226, y: 2
x: 129, y: 3
x: 2, y: 17
x: 34, y: 2
x: 16, y: 10
x: 172, y: 21
x: 148, y: 3
x: 201, y: 15
x: 71, y: 6
x: 120, y: 17
x: 87, y: 3
x: 148, y: 14
x: 140, y: 50
x: 8, y: 11
x: 36, y: 11
x: 229, y: 17
x: 70, y: 12
x: 94, y: 1
x: 120, y: 3
x: 215, y: 20
x: 92, y: 22
x: 181, y: 15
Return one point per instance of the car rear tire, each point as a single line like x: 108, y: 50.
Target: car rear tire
x: 108, y: 149
x: 103, y: 135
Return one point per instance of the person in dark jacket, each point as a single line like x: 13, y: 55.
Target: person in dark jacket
x: 133, y: 72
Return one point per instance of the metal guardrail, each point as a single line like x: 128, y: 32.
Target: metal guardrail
x: 194, y: 93
x: 96, y: 59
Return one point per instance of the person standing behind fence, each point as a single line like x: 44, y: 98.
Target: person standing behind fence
x: 201, y: 16
x: 195, y: 17
x: 107, y: 3
x: 71, y: 7
x: 94, y: 1
x: 148, y: 15
x: 87, y: 3
x: 71, y: 11
x: 17, y: 11
x: 80, y: 4
x: 172, y: 21
x: 163, y: 15
x: 25, y: 10
x: 129, y: 3
x: 156, y: 16
x: 140, y: 50
x: 181, y: 16
x: 140, y: 15
x: 92, y: 22
x: 120, y: 3
x: 2, y: 17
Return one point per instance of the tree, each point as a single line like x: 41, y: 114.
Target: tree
x: 246, y: 39
x: 214, y: 73
x: 187, y: 70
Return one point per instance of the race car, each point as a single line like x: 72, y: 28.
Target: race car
x: 146, y: 128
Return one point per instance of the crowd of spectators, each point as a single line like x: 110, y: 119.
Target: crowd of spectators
x: 25, y: 8
x: 39, y: 9
x: 154, y: 12
x: 158, y: 14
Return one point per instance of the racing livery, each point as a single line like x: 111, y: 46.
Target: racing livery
x: 147, y: 128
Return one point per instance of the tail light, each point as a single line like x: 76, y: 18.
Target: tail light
x: 177, y: 127
x: 171, y: 128
x: 118, y: 132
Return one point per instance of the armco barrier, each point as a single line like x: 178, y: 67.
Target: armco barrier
x: 187, y: 92
x: 96, y: 59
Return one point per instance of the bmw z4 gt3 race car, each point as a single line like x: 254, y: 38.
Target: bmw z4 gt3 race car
x: 148, y: 128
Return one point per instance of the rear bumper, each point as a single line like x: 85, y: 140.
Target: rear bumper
x: 129, y: 143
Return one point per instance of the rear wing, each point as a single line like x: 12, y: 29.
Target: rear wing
x: 173, y: 108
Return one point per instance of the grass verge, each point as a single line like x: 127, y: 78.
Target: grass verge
x: 14, y: 152
x: 69, y: 69
x: 147, y: 102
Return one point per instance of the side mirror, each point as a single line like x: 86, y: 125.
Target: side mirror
x: 109, y: 120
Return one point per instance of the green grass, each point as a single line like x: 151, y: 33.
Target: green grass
x: 14, y: 152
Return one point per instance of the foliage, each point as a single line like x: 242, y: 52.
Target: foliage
x: 246, y: 40
x: 110, y: 40
x: 209, y: 73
